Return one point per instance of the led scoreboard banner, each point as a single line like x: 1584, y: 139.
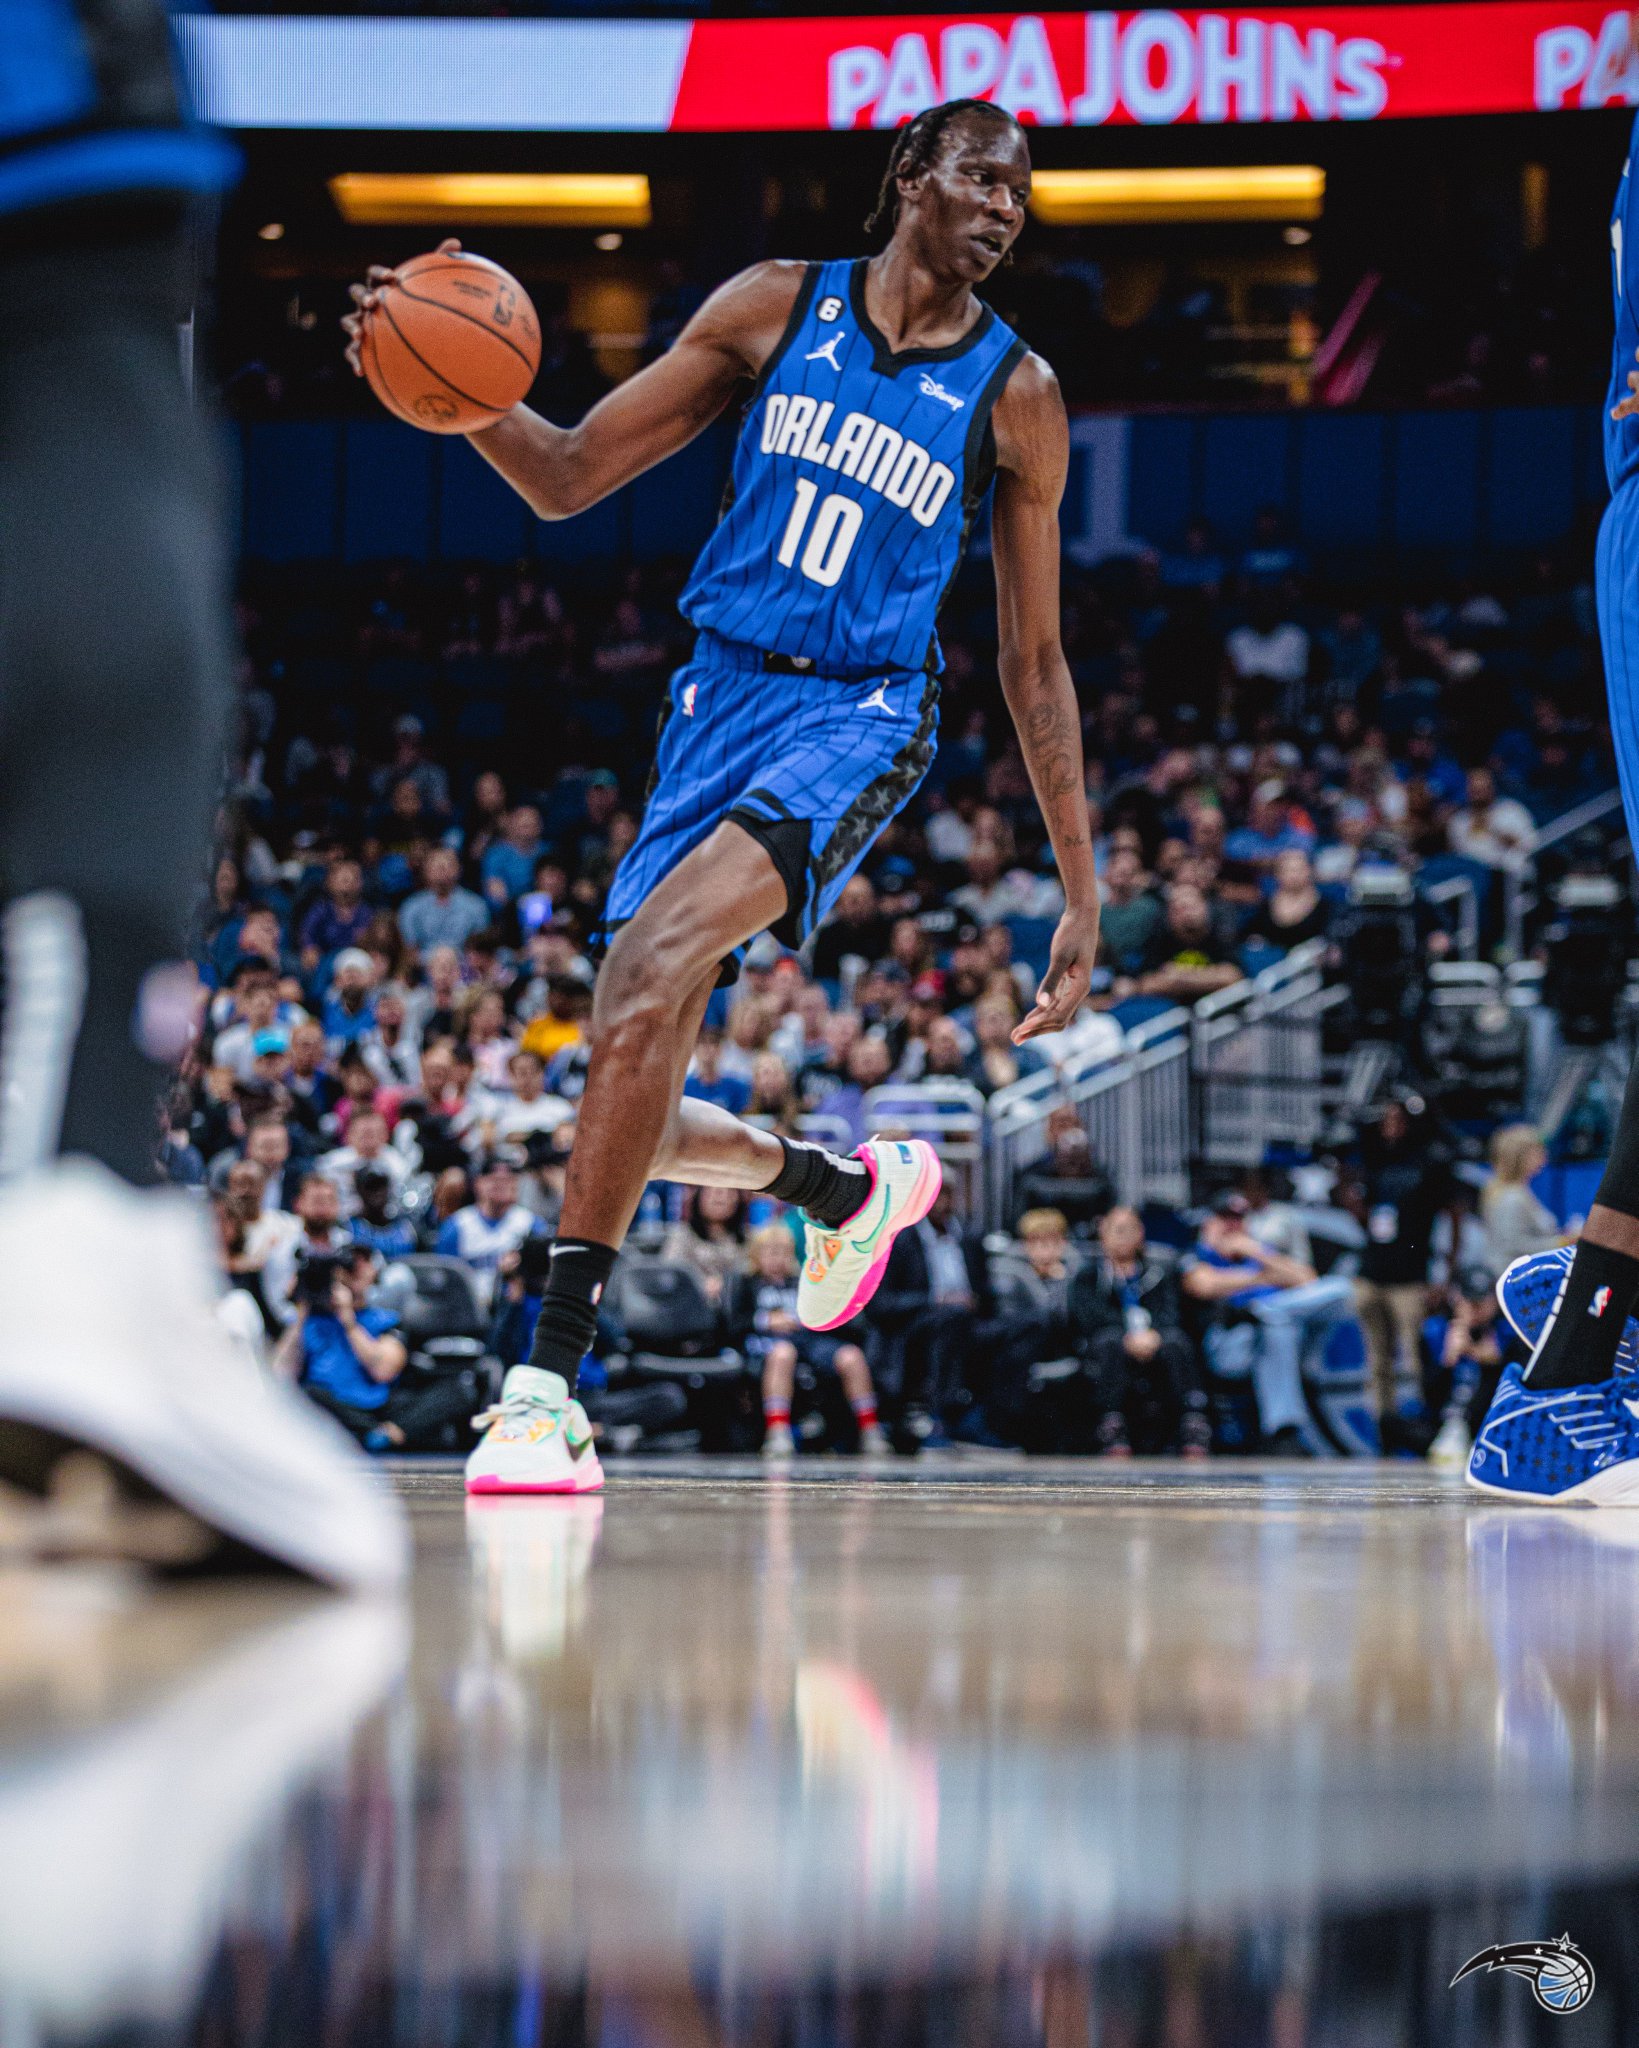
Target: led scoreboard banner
x: 874, y: 71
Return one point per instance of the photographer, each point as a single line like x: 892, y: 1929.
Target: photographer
x: 345, y: 1355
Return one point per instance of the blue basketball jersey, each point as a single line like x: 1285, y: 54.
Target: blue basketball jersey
x: 1622, y: 436
x: 857, y: 476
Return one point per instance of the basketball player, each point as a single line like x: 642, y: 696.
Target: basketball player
x: 1564, y: 1427
x: 884, y: 398
x: 118, y: 1390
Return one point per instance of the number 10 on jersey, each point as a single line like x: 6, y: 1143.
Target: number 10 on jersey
x: 830, y: 538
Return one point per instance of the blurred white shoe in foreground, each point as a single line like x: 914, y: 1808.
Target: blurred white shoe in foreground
x: 110, y: 1344
x: 124, y: 1848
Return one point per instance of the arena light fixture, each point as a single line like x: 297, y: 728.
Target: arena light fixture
x: 1192, y: 193
x: 524, y: 199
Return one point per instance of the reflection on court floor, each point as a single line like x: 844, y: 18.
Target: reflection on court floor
x: 1039, y: 1755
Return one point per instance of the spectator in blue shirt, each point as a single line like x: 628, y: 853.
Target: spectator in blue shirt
x: 1267, y: 833
x: 346, y: 1354
x: 1425, y: 756
x: 349, y: 1009
x: 1271, y: 1316
x: 379, y: 1224
x: 441, y: 913
x: 508, y: 868
x: 707, y: 1081
x: 340, y: 918
x: 343, y: 1350
x: 486, y: 1234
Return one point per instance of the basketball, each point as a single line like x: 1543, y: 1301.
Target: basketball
x: 452, y: 343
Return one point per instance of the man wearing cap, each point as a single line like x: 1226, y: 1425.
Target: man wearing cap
x: 270, y: 1051
x: 410, y: 764
x: 349, y: 1010
x: 1272, y: 1314
x: 602, y: 800
x: 441, y: 912
x: 491, y: 1228
x: 1268, y: 832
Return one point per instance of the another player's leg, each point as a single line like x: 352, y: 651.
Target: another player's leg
x: 1560, y: 1426
x: 115, y: 666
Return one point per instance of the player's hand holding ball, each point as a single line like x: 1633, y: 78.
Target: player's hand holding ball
x: 448, y: 341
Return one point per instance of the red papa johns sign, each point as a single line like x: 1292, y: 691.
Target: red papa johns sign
x: 1082, y: 70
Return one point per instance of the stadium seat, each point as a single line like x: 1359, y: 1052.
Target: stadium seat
x: 672, y: 1329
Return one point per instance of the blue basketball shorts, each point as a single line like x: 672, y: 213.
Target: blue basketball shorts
x: 1616, y: 586
x: 811, y: 766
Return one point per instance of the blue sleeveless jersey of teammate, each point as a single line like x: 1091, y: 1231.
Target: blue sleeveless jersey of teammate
x: 90, y: 108
x: 1617, y: 559
x: 1622, y: 436
x: 809, y: 711
x: 857, y: 475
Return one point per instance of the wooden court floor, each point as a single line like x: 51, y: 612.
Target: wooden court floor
x: 1048, y: 1753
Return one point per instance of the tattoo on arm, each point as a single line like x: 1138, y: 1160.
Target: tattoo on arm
x: 1051, y: 735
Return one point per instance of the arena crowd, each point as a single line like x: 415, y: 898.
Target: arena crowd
x: 437, y: 776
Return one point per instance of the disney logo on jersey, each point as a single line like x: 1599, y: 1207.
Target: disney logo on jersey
x: 932, y: 388
x: 869, y: 451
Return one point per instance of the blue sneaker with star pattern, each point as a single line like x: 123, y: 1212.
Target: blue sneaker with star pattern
x: 1561, y: 1445
x: 1529, y: 1295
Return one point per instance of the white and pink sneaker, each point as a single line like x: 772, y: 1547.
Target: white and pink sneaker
x: 538, y: 1440
x: 843, y: 1267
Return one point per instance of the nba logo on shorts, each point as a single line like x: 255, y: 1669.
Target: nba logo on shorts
x: 1601, y: 1301
x: 689, y: 692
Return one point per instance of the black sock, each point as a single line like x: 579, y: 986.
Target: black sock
x: 1580, y: 1347
x: 568, y: 1320
x: 821, y: 1185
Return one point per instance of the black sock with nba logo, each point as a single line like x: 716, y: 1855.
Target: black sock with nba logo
x: 568, y: 1320
x: 1579, y: 1347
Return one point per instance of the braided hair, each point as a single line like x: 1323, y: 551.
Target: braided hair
x: 916, y: 146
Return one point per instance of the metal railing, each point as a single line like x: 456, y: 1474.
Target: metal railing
x: 1016, y: 1119
x: 950, y: 1115
x: 1256, y: 1058
x: 1215, y: 1086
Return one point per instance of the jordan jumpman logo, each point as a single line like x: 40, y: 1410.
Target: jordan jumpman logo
x: 876, y: 701
x: 826, y: 353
